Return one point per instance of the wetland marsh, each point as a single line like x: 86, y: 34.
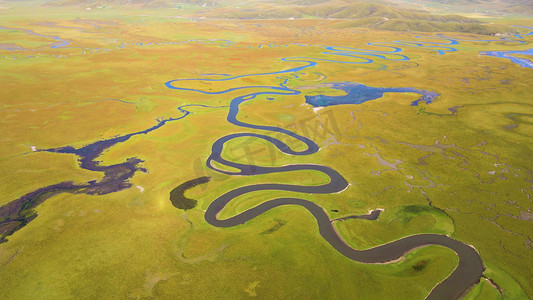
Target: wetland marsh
x: 162, y: 152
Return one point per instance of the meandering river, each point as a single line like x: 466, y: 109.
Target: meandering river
x: 470, y: 267
x: 18, y: 213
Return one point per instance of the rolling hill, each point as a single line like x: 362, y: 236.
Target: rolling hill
x: 145, y: 4
x: 385, y: 16
x: 491, y: 7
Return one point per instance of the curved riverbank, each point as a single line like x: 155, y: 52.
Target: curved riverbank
x: 18, y: 213
x: 510, y: 55
x: 467, y: 273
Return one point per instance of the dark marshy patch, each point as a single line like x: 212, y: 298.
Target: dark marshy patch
x: 278, y: 225
x: 419, y: 266
x: 177, y: 195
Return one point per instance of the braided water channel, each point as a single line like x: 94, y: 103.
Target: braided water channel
x: 18, y: 213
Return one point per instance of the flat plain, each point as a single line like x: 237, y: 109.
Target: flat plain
x: 155, y: 92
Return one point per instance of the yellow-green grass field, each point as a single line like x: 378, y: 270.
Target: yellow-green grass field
x: 460, y: 166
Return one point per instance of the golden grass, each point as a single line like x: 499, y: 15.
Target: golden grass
x: 136, y: 244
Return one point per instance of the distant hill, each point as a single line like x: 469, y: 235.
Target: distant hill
x: 381, y: 14
x: 106, y: 3
x: 385, y: 15
x: 495, y: 7
x: 130, y: 3
x: 366, y: 10
x: 331, y: 9
x: 349, y: 9
x: 471, y: 2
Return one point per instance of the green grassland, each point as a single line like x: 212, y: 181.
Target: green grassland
x: 464, y: 174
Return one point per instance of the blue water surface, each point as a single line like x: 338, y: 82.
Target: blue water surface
x: 357, y: 93
x: 526, y: 63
